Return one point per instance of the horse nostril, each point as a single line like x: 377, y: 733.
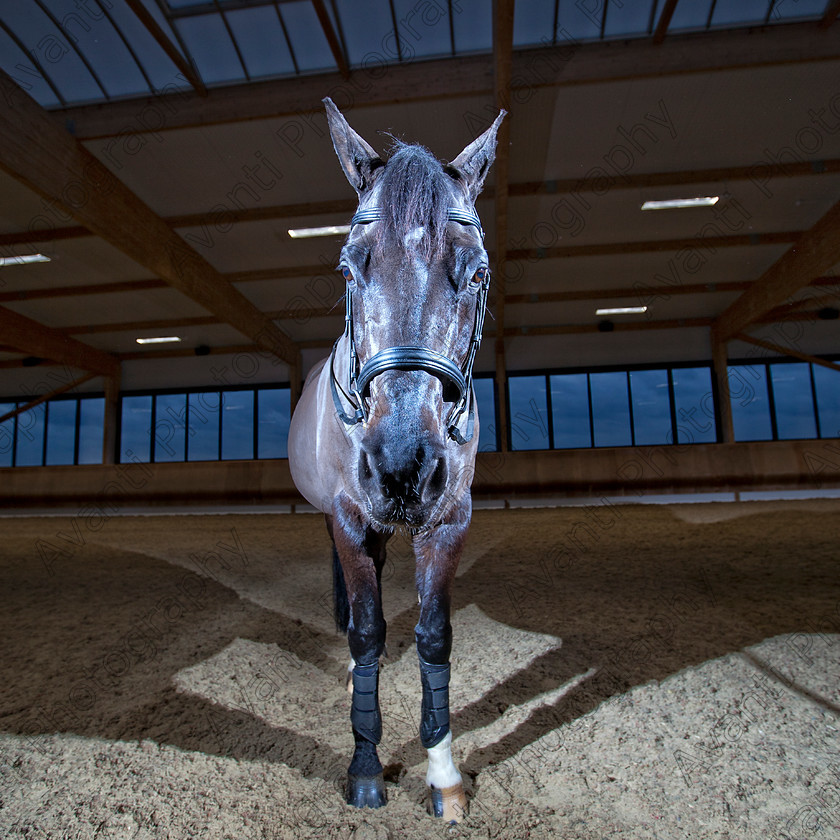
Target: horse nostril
x: 365, y: 472
x: 437, y: 480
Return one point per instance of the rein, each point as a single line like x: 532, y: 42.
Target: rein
x: 411, y: 358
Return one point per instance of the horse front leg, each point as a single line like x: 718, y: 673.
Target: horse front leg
x: 361, y: 553
x: 438, y: 552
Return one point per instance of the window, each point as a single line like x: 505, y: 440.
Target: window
x: 827, y: 387
x: 694, y: 405
x: 203, y: 443
x: 274, y: 414
x: 793, y: 400
x: 485, y: 398
x: 238, y: 424
x: 30, y: 437
x: 91, y: 426
x: 750, y: 402
x: 136, y: 429
x: 170, y: 427
x: 528, y: 412
x: 7, y: 436
x: 61, y: 432
x: 651, y: 402
x: 610, y: 409
x: 570, y: 410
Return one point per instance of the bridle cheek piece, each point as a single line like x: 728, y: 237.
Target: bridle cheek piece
x: 456, y: 379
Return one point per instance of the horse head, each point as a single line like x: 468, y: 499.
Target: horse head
x: 417, y: 277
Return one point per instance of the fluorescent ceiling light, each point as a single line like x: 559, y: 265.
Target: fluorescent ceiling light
x: 622, y: 310
x: 158, y: 339
x: 329, y: 230
x: 678, y: 203
x: 23, y: 259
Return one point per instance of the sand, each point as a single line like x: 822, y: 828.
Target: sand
x: 627, y: 671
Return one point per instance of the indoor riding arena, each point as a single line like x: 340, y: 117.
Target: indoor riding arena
x: 645, y: 605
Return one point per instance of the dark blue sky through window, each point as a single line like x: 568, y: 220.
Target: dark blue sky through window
x: 136, y: 429
x: 570, y: 411
x: 793, y: 399
x: 610, y: 409
x: 273, y: 422
x: 528, y: 412
x: 750, y: 402
x: 238, y: 424
x: 694, y: 405
x: 61, y: 432
x: 485, y: 397
x: 651, y: 407
x: 203, y: 429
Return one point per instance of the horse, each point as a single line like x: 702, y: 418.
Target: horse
x: 385, y: 432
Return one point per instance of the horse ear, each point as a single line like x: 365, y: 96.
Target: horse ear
x: 358, y: 159
x: 472, y: 165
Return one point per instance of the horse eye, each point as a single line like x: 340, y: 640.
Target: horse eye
x: 346, y: 274
x: 480, y: 275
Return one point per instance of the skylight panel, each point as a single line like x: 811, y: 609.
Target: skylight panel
x: 691, y: 15
x: 729, y: 12
x: 423, y: 28
x: 309, y: 44
x: 369, y: 38
x: 626, y: 20
x: 796, y: 11
x: 93, y: 34
x: 25, y: 72
x: 473, y: 24
x: 578, y: 22
x: 158, y: 67
x: 261, y: 41
x: 532, y: 24
x: 52, y: 51
x: 209, y: 43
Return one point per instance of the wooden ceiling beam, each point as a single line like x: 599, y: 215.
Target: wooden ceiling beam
x: 664, y: 21
x: 570, y: 63
x: 332, y: 38
x: 786, y: 351
x: 47, y: 159
x: 600, y: 249
x: 832, y: 9
x: 815, y: 251
x: 34, y: 339
x: 22, y: 409
x: 165, y: 43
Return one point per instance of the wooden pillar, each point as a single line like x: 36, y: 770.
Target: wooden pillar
x: 723, y: 403
x: 502, y: 71
x: 295, y: 381
x: 112, y: 405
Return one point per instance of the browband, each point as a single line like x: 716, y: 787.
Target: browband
x: 375, y: 214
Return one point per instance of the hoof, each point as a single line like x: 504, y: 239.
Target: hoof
x: 366, y: 792
x: 449, y: 803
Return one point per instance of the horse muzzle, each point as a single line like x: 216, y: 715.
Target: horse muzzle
x: 403, y: 479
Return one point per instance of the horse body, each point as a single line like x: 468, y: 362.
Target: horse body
x: 385, y: 432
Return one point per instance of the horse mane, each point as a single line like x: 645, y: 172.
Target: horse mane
x: 415, y: 193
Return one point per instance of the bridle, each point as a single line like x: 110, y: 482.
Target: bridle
x: 451, y: 374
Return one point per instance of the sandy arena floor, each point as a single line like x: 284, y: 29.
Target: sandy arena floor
x: 619, y: 672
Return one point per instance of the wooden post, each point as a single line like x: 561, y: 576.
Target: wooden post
x: 111, y: 421
x: 723, y: 403
x: 502, y: 69
x: 295, y: 381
